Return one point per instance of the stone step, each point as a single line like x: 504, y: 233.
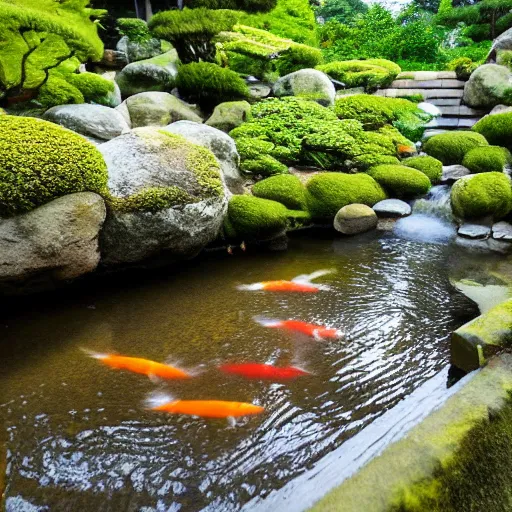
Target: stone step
x: 452, y: 123
x: 448, y: 102
x: 428, y: 84
x: 427, y: 75
x: 426, y: 93
x: 461, y: 111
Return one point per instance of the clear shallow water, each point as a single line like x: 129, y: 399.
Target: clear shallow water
x: 74, y: 434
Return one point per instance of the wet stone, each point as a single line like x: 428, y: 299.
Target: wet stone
x: 452, y: 173
x: 392, y: 208
x: 474, y: 230
x: 502, y: 231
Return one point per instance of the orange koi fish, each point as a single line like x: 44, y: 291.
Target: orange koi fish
x: 207, y: 408
x: 151, y: 369
x: 302, y: 283
x: 319, y: 332
x: 263, y: 371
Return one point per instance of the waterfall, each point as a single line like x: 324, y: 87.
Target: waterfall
x: 436, y: 203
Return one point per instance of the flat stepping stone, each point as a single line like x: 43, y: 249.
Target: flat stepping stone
x: 452, y: 173
x: 428, y: 84
x: 392, y: 208
x: 502, y: 231
x: 474, y: 230
x: 427, y: 75
x: 441, y: 102
x: 426, y: 93
x: 468, y: 122
x: 461, y: 111
x: 430, y: 133
x: 443, y: 122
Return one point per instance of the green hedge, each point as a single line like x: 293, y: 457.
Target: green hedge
x: 401, y: 181
x: 451, y: 147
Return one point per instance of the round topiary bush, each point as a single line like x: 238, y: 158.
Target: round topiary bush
x: 209, y: 84
x: 486, y: 159
x: 496, y: 128
x: 451, y: 147
x: 428, y: 165
x: 401, y: 181
x: 328, y: 192
x: 40, y: 161
x: 489, y: 193
x: 286, y: 189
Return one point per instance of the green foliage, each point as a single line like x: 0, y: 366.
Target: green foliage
x: 370, y: 74
x: 209, y: 84
x: 451, y: 147
x: 134, y: 29
x: 488, y: 193
x: 463, y: 67
x: 343, y: 11
x: 40, y: 161
x: 252, y: 6
x: 444, y: 7
x: 263, y: 165
x: 328, y: 192
x: 401, y: 181
x: 497, y: 129
x: 431, y: 167
x: 486, y: 159
x: 57, y: 91
x: 92, y: 86
x: 505, y: 58
x: 286, y: 189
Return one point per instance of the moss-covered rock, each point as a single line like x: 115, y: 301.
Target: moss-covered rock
x: 480, y: 195
x: 329, y: 192
x: 401, y: 181
x: 93, y: 87
x: 428, y: 165
x: 496, y: 128
x: 488, y: 86
x: 57, y: 91
x: 451, y: 147
x: 229, y: 115
x: 486, y: 159
x: 40, y: 161
x: 364, y: 162
x: 286, y: 189
x: 309, y: 84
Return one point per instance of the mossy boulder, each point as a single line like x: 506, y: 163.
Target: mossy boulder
x: 488, y: 86
x: 355, y: 218
x: 286, y: 189
x: 401, y: 181
x: 155, y: 74
x: 40, y: 161
x: 451, y: 147
x: 475, y: 342
x: 480, y: 195
x: 166, y: 195
x: 229, y: 115
x: 486, y: 159
x: 309, y: 84
x: 496, y: 128
x: 330, y: 191
x: 428, y: 165
x: 94, y: 88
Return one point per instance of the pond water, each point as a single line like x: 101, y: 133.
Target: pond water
x: 75, y: 434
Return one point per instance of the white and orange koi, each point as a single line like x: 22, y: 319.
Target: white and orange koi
x: 302, y: 284
x: 318, y: 332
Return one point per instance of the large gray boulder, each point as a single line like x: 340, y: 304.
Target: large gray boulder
x: 54, y: 242
x: 95, y: 121
x: 307, y: 83
x: 155, y: 74
x: 156, y: 109
x: 502, y: 42
x: 220, y: 144
x: 168, y: 200
x: 137, y: 51
x: 229, y: 115
x: 488, y: 86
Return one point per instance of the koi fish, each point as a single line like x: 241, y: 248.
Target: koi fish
x: 318, y: 332
x: 302, y: 283
x: 151, y: 369
x: 205, y: 408
x: 263, y: 371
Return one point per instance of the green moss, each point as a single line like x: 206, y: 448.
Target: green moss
x: 401, y: 181
x: 483, y: 194
x: 428, y: 165
x: 92, y: 86
x: 286, y: 189
x: 57, y: 91
x: 504, y: 58
x: 364, y: 162
x: 255, y: 218
x: 209, y: 84
x: 40, y: 161
x: 463, y: 67
x: 134, y: 29
x: 486, y: 159
x: 263, y: 165
x: 329, y: 192
x: 451, y: 147
x: 497, y: 129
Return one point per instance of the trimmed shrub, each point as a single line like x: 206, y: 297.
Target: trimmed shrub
x: 286, y: 189
x: 92, y: 86
x: 477, y: 196
x: 209, y: 84
x: 497, y: 129
x: 451, y: 147
x: 57, y: 91
x: 40, y: 161
x: 401, y: 181
x: 328, y: 192
x: 486, y: 159
x: 428, y: 165
x: 463, y: 67
x: 134, y: 29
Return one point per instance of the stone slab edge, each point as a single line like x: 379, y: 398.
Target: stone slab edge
x: 435, y: 439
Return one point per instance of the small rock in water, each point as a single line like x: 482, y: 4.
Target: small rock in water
x: 502, y: 231
x: 355, y: 218
x: 452, y: 173
x: 392, y: 208
x: 474, y: 230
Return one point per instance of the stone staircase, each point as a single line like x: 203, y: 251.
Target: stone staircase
x: 441, y: 88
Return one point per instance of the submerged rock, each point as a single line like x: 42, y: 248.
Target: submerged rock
x: 94, y: 121
x: 355, y: 218
x: 54, y: 242
x: 220, y: 144
x: 168, y: 199
x: 229, y: 115
x: 392, y: 208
